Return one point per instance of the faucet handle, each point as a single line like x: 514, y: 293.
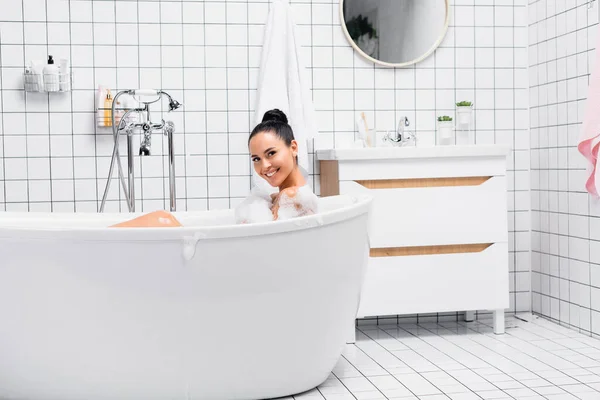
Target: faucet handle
x: 411, y: 138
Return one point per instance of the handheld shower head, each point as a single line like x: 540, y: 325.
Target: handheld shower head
x: 174, y: 104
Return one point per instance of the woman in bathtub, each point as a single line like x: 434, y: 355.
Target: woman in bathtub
x: 273, y: 151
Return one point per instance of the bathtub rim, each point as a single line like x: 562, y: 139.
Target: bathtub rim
x: 350, y: 206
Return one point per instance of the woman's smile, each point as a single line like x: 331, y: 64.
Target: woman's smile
x: 271, y: 173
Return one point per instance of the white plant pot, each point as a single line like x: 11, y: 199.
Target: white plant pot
x: 445, y: 130
x: 463, y: 114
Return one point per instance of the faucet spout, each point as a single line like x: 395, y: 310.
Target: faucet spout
x: 401, y: 124
x: 146, y: 144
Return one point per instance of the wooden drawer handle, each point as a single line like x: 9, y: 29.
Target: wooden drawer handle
x: 424, y: 250
x: 423, y: 182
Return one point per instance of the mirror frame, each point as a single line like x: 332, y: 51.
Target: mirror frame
x: 396, y: 65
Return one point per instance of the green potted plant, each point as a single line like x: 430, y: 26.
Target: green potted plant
x: 464, y: 110
x: 444, y: 127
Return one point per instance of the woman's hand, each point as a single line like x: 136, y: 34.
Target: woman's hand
x: 276, y: 197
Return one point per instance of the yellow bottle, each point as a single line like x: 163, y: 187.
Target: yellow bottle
x: 107, y: 109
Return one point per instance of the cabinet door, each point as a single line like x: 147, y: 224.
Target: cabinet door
x: 436, y: 283
x: 437, y: 215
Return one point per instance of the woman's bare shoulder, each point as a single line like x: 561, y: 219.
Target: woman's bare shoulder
x: 290, y: 191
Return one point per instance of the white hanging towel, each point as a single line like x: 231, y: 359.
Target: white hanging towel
x: 589, y: 138
x: 282, y: 79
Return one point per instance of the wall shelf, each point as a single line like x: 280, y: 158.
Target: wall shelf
x: 44, y: 83
x: 104, y: 120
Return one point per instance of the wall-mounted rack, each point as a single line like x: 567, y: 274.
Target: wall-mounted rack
x: 104, y: 120
x: 48, y: 83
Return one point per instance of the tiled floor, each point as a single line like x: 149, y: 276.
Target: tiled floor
x: 535, y: 359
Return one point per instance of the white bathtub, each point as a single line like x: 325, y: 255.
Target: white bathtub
x: 208, y: 311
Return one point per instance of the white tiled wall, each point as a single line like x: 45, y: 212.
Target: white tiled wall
x: 565, y: 219
x: 206, y: 54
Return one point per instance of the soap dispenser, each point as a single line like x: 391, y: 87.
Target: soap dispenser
x: 51, y: 83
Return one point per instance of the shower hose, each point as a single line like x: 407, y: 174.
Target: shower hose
x: 116, y: 155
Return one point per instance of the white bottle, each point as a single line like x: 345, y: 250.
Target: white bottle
x: 64, y: 76
x: 51, y: 76
x: 100, y: 96
x: 29, y: 80
x: 37, y: 68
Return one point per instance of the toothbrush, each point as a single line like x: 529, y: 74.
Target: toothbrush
x: 368, y: 139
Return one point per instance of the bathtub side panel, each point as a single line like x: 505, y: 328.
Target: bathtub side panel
x: 246, y: 318
x: 293, y: 329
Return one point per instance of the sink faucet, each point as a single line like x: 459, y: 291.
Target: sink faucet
x: 401, y: 137
x: 403, y: 122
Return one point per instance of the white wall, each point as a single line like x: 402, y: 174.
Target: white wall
x: 207, y: 53
x: 565, y: 219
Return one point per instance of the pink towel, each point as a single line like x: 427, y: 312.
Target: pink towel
x: 589, y: 139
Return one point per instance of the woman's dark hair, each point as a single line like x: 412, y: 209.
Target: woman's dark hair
x: 275, y: 121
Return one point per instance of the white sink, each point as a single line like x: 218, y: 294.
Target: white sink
x: 370, y: 153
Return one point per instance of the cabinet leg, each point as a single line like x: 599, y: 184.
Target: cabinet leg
x: 352, y: 333
x: 469, y: 316
x: 498, y: 322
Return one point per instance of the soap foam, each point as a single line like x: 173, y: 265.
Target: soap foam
x: 255, y: 208
x: 189, y: 245
x: 259, y: 206
x: 297, y: 203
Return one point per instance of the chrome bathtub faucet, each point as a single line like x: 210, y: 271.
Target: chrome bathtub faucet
x: 147, y: 127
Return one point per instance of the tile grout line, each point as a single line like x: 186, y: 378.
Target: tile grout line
x: 183, y: 119
x: 554, y: 355
x: 227, y: 102
x: 417, y: 372
x: 206, y: 112
x: 70, y: 89
x: 3, y: 128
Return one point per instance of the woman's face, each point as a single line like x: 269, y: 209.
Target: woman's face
x: 272, y: 158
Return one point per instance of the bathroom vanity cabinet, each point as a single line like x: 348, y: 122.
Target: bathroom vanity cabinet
x: 438, y: 226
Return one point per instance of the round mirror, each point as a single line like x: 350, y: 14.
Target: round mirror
x: 394, y: 33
